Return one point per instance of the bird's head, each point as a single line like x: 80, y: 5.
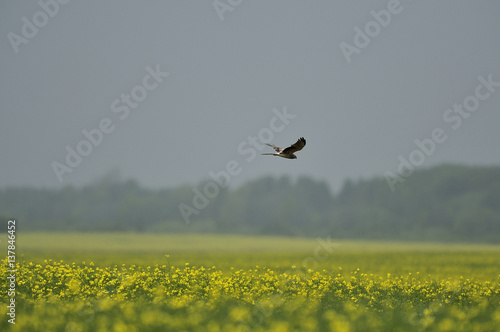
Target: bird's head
x: 294, y: 157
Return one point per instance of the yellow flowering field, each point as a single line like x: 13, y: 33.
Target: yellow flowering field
x: 227, y: 283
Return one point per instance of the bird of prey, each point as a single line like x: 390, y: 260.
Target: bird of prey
x: 289, y: 151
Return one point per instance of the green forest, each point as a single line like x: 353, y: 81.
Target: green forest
x: 443, y: 203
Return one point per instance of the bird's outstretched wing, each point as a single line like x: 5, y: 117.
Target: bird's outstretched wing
x: 277, y: 148
x: 301, y: 142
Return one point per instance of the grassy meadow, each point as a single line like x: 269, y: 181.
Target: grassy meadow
x: 172, y: 282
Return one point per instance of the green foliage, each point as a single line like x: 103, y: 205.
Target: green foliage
x: 449, y: 202
x: 242, y: 283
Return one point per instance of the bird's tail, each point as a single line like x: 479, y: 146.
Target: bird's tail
x: 269, y: 154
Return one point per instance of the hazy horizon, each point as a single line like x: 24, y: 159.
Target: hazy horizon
x: 166, y: 93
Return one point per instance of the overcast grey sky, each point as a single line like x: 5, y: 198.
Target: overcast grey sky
x: 66, y: 68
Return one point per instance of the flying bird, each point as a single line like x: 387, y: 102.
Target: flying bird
x: 289, y: 151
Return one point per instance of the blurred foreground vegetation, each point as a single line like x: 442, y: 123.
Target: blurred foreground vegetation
x: 159, y: 282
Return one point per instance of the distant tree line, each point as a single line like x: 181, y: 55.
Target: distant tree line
x: 448, y: 202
